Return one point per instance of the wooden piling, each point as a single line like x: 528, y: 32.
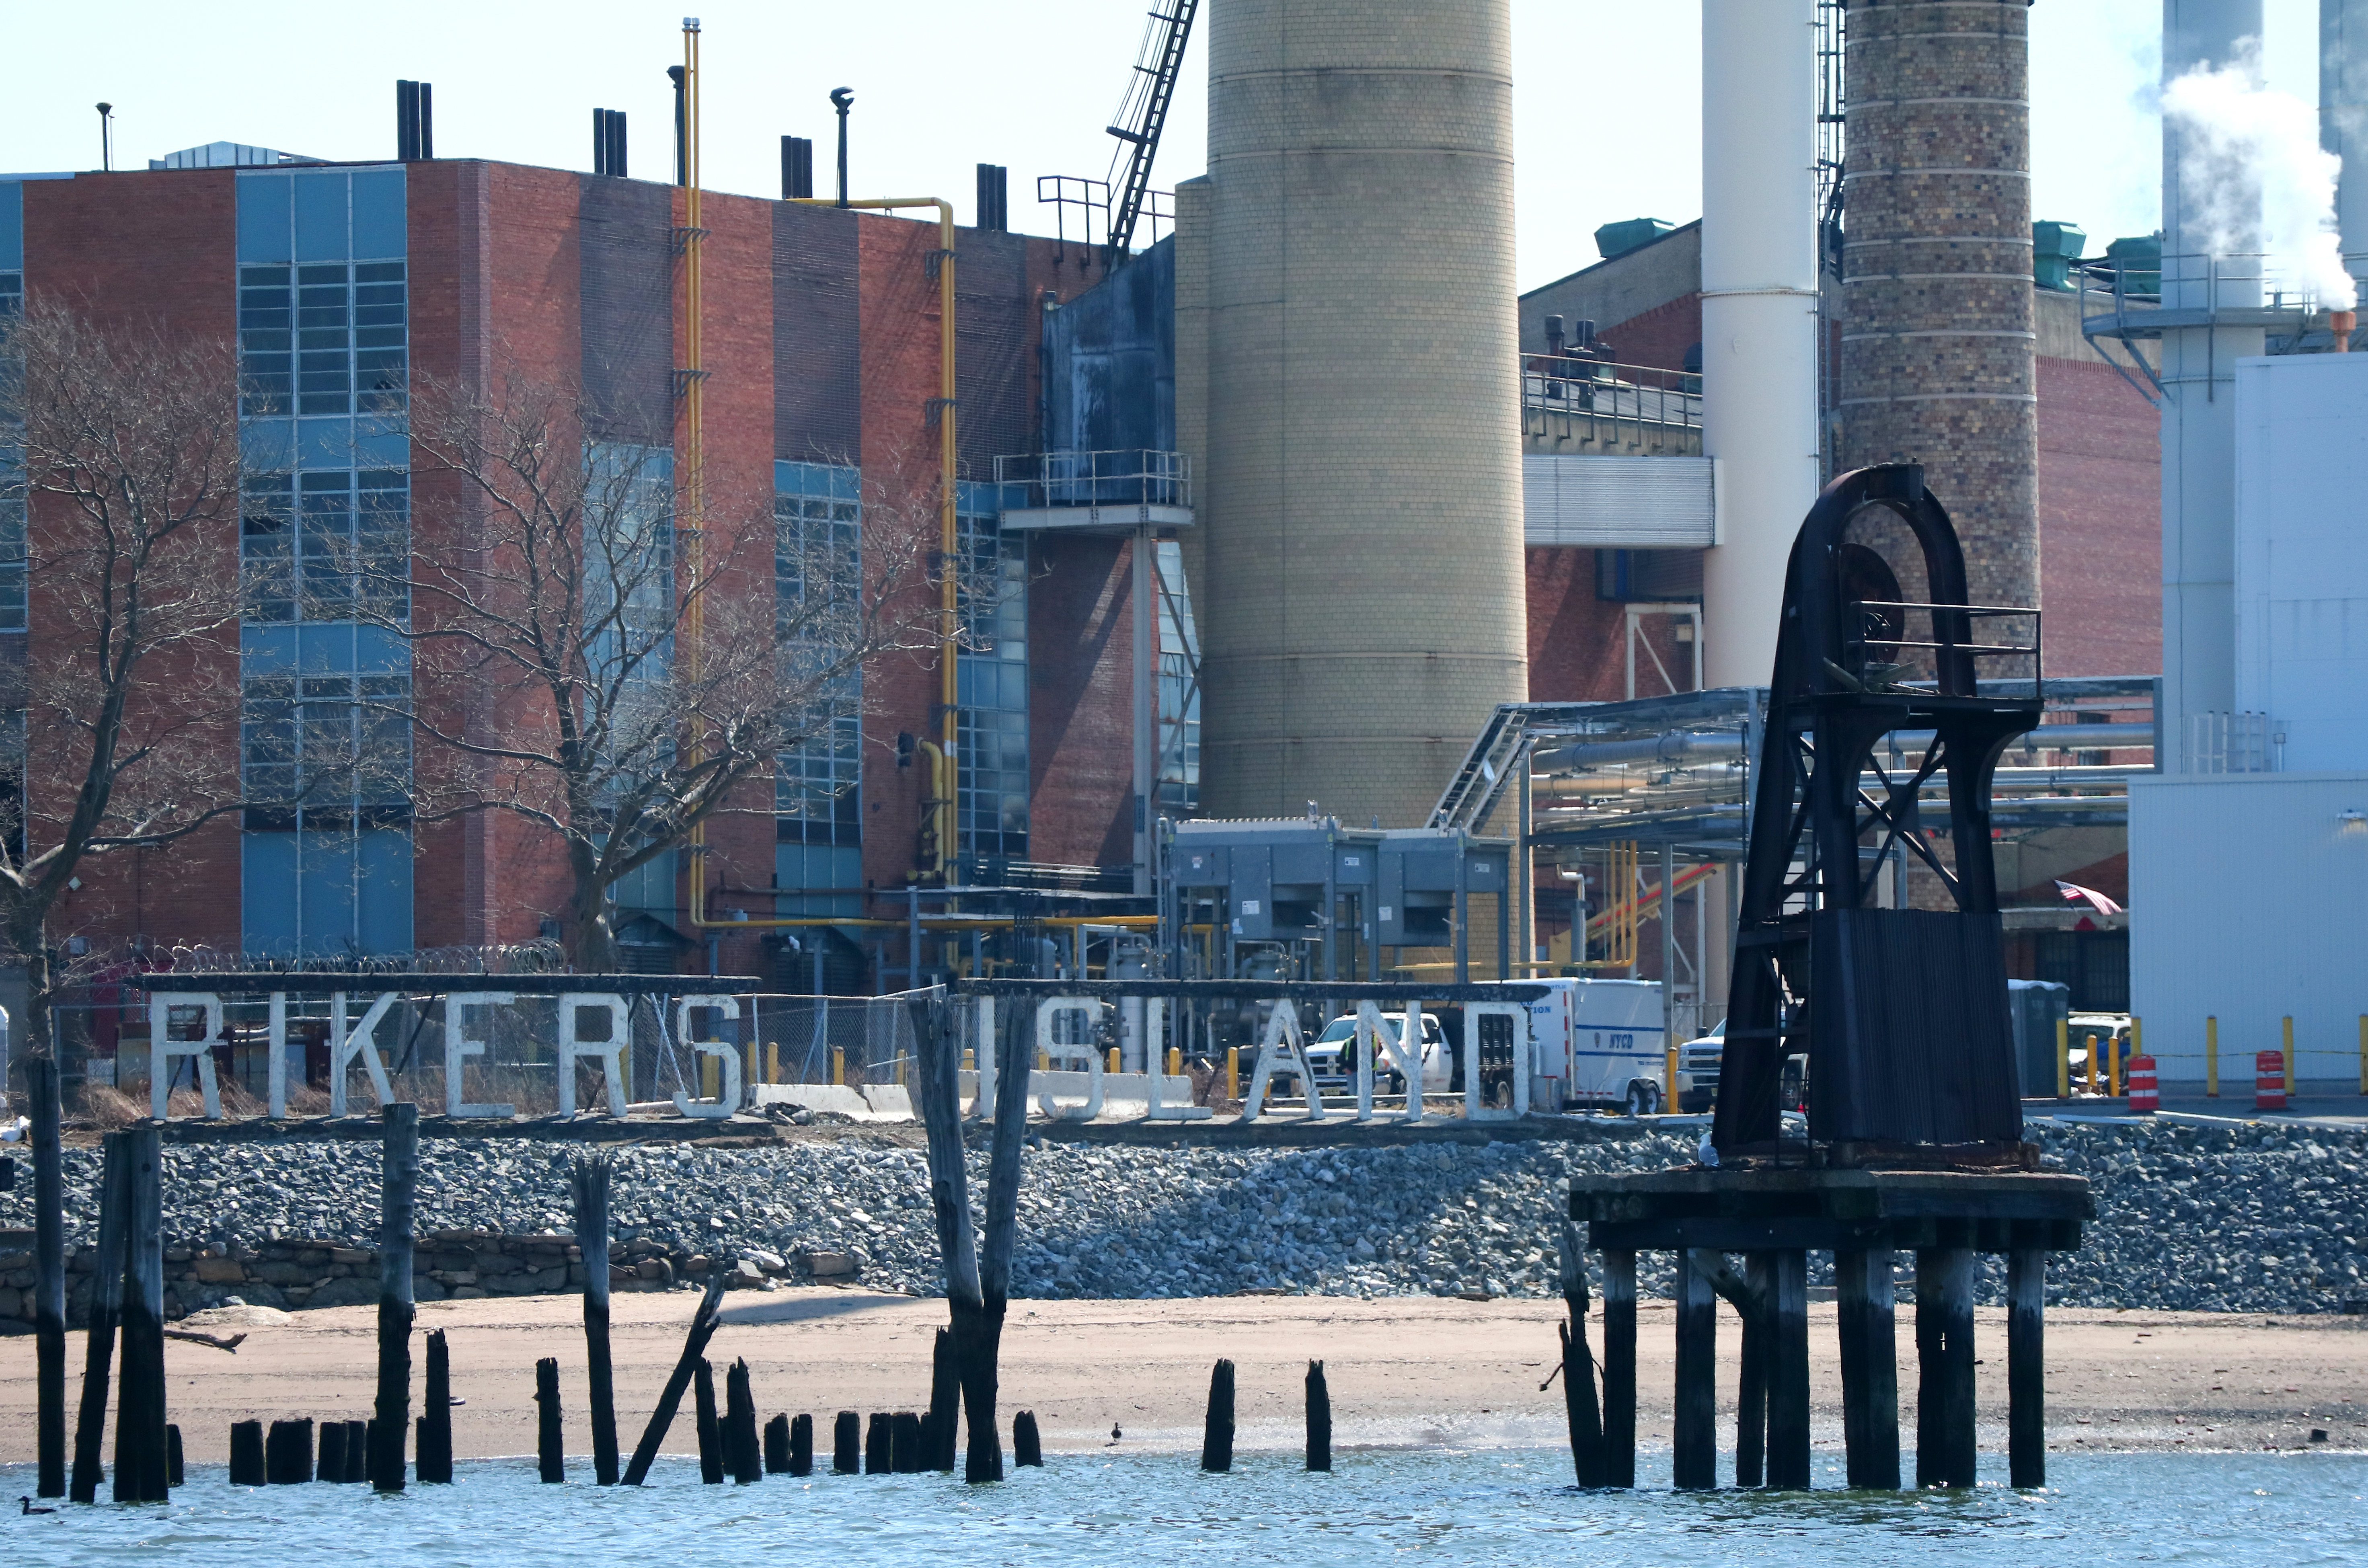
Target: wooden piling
x: 434, y: 1463
x: 741, y: 1454
x: 1217, y: 1426
x: 847, y: 1444
x: 711, y: 1434
x: 1027, y: 1446
x: 945, y: 1403
x: 1944, y: 1357
x: 2026, y: 1366
x: 330, y: 1465
x: 1694, y: 1430
x: 139, y: 1465
x: 1870, y: 1367
x: 877, y: 1451
x: 694, y: 1345
x: 390, y: 1424
x: 49, y: 1275
x: 1751, y: 1377
x: 801, y: 1445
x: 288, y: 1453
x: 1319, y: 1419
x: 550, y: 1443
x: 172, y: 1456
x: 1619, y: 1368
x: 246, y: 1459
x: 776, y: 1445
x: 590, y: 1178
x: 106, y: 1308
x: 1580, y: 1413
x: 1788, y: 1370
x: 906, y: 1455
x: 358, y: 1452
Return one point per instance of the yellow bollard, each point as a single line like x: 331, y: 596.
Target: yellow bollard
x: 2289, y: 1051
x: 1232, y: 1072
x: 2062, y: 1059
x: 1113, y: 1061
x: 772, y: 1061
x: 1669, y: 1085
x: 2113, y: 1067
x: 839, y: 1064
x: 753, y: 1076
x: 1043, y: 1062
x: 1175, y: 1057
x: 2212, y: 1058
x: 2092, y: 1061
x: 710, y: 1070
x: 970, y: 1060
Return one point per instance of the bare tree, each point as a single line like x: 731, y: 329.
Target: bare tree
x: 632, y: 650
x: 124, y: 443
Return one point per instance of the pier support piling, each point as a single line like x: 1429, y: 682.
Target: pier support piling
x: 390, y: 1424
x: 2026, y: 1366
x: 1870, y: 1367
x: 1944, y: 1358
x: 1694, y: 1428
x: 1788, y: 1370
x: 1619, y: 1367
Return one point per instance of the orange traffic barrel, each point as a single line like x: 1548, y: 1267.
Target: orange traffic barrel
x: 2270, y: 1080
x: 2144, y: 1098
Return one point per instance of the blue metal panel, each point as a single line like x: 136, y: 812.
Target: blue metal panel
x: 12, y: 225
x: 651, y: 888
x: 797, y: 866
x: 1112, y: 351
x: 270, y: 920
x: 324, y: 230
x: 264, y: 232
x: 382, y: 921
x: 380, y: 230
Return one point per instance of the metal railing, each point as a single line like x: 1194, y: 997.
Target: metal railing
x: 1127, y: 476
x: 1642, y: 394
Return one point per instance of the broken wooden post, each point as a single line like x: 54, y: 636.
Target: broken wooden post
x: 906, y: 1454
x: 847, y: 1444
x: 140, y: 1398
x: 358, y: 1452
x: 1693, y: 1464
x: 879, y: 1450
x: 288, y: 1453
x: 1619, y: 1368
x: 943, y: 1422
x: 694, y: 1344
x: 1944, y: 1355
x: 1869, y: 1365
x: 590, y: 1179
x: 390, y: 1426
x: 106, y: 1308
x: 1319, y: 1419
x: 1217, y: 1426
x: 1787, y: 1360
x: 550, y: 1445
x: 246, y: 1459
x: 172, y: 1456
x: 49, y: 1274
x: 978, y: 1269
x: 801, y: 1445
x: 1027, y: 1444
x: 434, y: 1463
x: 710, y: 1435
x: 330, y: 1465
x: 1579, y: 1412
x: 2026, y: 1366
x: 776, y: 1445
x: 741, y: 1455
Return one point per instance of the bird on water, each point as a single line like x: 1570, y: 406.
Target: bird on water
x: 27, y: 1504
x: 1115, y: 1433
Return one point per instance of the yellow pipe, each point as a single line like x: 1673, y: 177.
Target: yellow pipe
x: 2212, y: 1058
x: 948, y: 608
x: 1232, y: 1072
x: 941, y: 808
x: 2062, y: 1059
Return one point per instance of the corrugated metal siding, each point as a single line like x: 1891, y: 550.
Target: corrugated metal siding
x: 995, y: 349
x: 1927, y: 1058
x: 817, y: 352
x: 2248, y: 902
x: 627, y: 271
x: 1644, y: 502
x: 1112, y: 353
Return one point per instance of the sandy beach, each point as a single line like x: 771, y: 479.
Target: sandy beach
x: 1403, y: 1372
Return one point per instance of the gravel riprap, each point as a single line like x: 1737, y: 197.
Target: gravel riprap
x: 2259, y: 1218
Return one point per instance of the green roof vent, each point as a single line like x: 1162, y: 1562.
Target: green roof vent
x: 1630, y: 233
x: 2055, y: 248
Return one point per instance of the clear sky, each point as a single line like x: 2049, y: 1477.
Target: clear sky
x: 1606, y: 94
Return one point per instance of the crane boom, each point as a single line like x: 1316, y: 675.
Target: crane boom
x: 1142, y: 113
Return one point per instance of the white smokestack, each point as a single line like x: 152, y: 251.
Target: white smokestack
x: 2257, y: 179
x: 1759, y: 316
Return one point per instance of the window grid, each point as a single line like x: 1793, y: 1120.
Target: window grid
x: 818, y: 787
x: 991, y: 792
x: 327, y: 545
x: 323, y: 337
x: 326, y: 751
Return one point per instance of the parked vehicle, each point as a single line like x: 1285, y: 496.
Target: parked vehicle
x: 1698, y: 1075
x: 1329, y: 1057
x: 1597, y: 1044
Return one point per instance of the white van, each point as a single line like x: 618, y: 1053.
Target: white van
x: 1597, y: 1043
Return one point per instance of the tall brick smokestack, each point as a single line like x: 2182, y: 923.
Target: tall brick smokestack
x: 1936, y: 338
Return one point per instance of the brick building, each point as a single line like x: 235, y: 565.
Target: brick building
x: 821, y: 348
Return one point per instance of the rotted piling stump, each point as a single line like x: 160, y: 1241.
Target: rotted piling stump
x: 434, y: 1461
x: 331, y: 1464
x: 1217, y: 1426
x: 776, y: 1445
x: 288, y: 1453
x: 358, y: 1453
x: 246, y: 1457
x: 801, y: 1445
x: 550, y: 1444
x: 710, y: 1432
x: 847, y: 1444
x: 741, y: 1455
x: 906, y: 1454
x: 879, y: 1451
x: 172, y: 1456
x: 1027, y: 1446
x: 1319, y: 1419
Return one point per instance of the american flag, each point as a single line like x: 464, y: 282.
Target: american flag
x: 2074, y: 894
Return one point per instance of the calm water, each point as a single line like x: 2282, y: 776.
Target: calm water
x: 1498, y: 1507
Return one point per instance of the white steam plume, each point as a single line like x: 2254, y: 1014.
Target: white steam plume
x: 2239, y: 133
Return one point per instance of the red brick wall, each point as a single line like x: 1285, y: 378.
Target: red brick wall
x: 2100, y: 522
x: 1660, y: 337
x: 137, y: 249
x: 1576, y: 652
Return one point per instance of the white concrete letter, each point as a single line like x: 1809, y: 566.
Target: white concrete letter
x: 610, y: 1050
x: 728, y: 1101
x: 1091, y: 1009
x: 1283, y: 1050
x: 162, y: 1049
x: 459, y: 1047
x: 344, y: 1044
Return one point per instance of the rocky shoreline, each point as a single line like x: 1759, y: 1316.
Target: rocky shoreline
x: 2259, y: 1218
